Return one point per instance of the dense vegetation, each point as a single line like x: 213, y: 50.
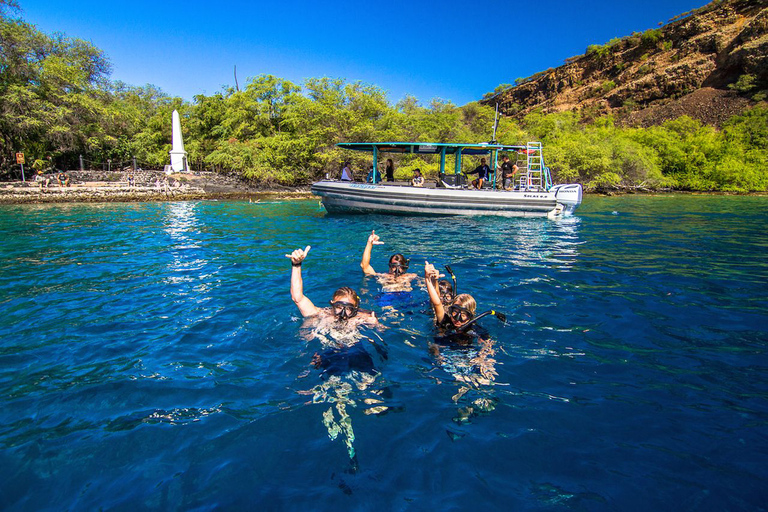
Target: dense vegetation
x: 56, y: 99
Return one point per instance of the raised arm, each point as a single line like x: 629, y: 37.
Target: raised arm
x: 431, y: 275
x: 297, y: 283
x: 365, y: 264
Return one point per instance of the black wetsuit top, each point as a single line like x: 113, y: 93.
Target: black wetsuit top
x: 390, y: 171
x: 482, y: 172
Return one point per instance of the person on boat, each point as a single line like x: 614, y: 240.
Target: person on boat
x: 373, y: 176
x: 390, y: 170
x: 483, y: 172
x: 508, y: 172
x: 397, y: 279
x: 346, y: 173
x: 418, y: 179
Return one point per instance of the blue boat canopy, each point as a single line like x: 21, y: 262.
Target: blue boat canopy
x: 428, y: 148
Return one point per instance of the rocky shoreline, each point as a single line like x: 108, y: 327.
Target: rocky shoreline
x: 147, y: 186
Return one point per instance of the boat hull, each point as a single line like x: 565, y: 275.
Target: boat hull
x: 341, y: 197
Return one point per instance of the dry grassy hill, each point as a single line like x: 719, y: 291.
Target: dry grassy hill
x: 710, y: 64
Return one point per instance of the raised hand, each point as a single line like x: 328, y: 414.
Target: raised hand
x: 374, y: 239
x: 430, y: 272
x: 298, y: 255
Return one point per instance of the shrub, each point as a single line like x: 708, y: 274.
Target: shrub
x: 745, y: 83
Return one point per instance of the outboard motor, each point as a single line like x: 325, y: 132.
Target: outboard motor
x: 568, y: 195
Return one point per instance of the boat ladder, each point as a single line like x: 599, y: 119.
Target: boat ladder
x: 532, y: 178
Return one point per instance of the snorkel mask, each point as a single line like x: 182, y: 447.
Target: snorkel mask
x: 459, y: 314
x: 343, y: 310
x: 398, y: 269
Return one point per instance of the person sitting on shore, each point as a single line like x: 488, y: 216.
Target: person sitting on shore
x: 418, y: 179
x: 63, y: 179
x: 483, y: 172
x: 397, y: 279
x: 43, y: 180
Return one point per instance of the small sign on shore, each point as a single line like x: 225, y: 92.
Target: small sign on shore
x: 20, y: 158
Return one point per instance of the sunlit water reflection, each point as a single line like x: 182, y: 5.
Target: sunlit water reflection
x: 152, y: 358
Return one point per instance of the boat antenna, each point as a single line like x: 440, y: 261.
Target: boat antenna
x: 495, y: 123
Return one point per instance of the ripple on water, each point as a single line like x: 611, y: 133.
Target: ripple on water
x: 151, y: 356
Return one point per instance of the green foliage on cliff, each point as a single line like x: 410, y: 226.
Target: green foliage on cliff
x: 56, y: 100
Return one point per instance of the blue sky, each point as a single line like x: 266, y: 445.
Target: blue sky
x: 453, y: 50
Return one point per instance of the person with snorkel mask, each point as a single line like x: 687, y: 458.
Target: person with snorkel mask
x: 464, y: 349
x: 346, y: 368
x: 398, y: 279
x: 344, y: 307
x: 451, y: 310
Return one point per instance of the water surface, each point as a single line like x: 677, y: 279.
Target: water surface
x: 151, y: 359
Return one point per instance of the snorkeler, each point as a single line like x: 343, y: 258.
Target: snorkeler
x: 343, y: 363
x: 398, y: 279
x: 344, y: 310
x: 461, y: 350
x: 451, y: 310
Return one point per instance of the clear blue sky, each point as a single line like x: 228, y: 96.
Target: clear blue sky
x: 454, y: 50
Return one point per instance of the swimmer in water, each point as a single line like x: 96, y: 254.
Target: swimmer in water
x: 397, y: 279
x: 344, y: 364
x: 467, y: 354
x: 445, y: 290
x: 344, y: 313
x: 453, y: 311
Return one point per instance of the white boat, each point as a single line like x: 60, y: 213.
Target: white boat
x: 534, y: 195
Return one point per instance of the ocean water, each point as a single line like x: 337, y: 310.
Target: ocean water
x: 151, y: 358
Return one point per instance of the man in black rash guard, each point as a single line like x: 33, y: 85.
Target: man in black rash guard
x: 482, y: 171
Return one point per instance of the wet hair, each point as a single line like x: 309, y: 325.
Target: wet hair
x: 390, y: 162
x: 444, y: 287
x: 466, y: 301
x: 398, y: 258
x: 345, y: 292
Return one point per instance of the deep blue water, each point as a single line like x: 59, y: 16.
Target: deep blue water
x: 151, y: 359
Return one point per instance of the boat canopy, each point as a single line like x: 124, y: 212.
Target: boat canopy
x: 535, y: 169
x: 429, y: 148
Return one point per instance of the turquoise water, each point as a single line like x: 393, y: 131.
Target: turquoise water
x: 151, y: 359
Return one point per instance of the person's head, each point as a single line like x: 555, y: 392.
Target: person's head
x: 398, y: 265
x: 345, y: 303
x: 482, y: 161
x: 462, y: 310
x: 417, y: 172
x: 390, y: 163
x: 505, y: 158
x: 446, y: 292
x: 345, y: 164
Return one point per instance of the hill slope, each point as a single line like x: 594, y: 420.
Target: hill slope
x: 709, y: 64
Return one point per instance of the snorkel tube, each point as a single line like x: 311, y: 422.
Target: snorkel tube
x: 453, y: 276
x: 498, y: 314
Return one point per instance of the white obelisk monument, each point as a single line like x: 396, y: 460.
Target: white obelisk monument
x: 178, y: 155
